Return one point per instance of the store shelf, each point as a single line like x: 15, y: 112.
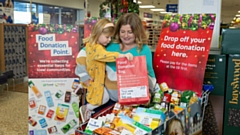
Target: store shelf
x: 13, y: 48
x: 153, y: 28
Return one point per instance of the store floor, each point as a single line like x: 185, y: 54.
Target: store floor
x: 14, y: 113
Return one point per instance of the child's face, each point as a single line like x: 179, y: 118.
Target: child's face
x: 104, y: 40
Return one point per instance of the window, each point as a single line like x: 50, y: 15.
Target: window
x: 22, y: 13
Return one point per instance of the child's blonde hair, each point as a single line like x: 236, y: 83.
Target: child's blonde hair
x: 98, y: 29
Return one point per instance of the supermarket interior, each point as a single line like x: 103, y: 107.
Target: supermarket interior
x: 180, y: 74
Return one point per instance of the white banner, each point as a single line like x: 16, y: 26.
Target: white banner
x: 53, y: 107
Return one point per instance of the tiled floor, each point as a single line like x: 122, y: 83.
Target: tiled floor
x: 218, y: 106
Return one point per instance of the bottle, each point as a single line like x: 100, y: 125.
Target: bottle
x: 67, y: 96
x: 31, y: 121
x: 52, y: 130
x: 75, y: 84
x: 34, y: 89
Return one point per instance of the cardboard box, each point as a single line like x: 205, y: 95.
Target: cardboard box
x: 215, y: 72
x: 231, y: 124
x: 230, y: 43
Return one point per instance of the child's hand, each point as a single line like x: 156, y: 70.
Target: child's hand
x: 129, y: 56
x: 88, y: 81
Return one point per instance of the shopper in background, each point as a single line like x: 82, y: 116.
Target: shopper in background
x: 130, y: 37
x: 96, y: 58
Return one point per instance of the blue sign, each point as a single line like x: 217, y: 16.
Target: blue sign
x: 34, y: 18
x: 172, y: 8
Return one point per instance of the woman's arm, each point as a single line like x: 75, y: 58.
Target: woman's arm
x: 151, y: 75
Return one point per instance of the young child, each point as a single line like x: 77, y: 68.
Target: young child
x: 96, y: 58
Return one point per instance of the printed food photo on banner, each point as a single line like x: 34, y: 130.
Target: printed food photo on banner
x: 53, y: 106
x: 52, y: 50
x: 182, y: 50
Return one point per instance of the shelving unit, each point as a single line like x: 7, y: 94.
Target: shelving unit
x: 154, y: 28
x: 13, y: 48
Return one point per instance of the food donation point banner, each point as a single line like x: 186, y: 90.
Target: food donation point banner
x: 182, y: 50
x: 52, y: 50
x: 53, y: 106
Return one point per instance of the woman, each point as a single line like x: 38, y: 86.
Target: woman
x: 130, y: 37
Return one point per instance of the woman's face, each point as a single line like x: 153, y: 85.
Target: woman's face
x: 126, y: 35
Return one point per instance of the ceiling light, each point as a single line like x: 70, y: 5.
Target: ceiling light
x: 139, y: 2
x: 239, y: 11
x: 157, y: 9
x: 165, y: 12
x: 146, y: 6
x: 238, y: 15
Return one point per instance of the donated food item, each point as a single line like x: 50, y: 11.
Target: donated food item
x: 148, y: 117
x: 92, y: 125
x: 122, y: 123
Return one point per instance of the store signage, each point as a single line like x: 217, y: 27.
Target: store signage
x: 52, y: 51
x: 182, y: 51
x: 147, y: 15
x: 172, y: 8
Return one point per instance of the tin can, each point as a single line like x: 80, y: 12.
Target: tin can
x: 52, y: 129
x: 164, y: 87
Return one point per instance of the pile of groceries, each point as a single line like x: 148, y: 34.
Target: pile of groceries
x: 142, y: 119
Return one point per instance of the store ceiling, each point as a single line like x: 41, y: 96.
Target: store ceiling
x: 228, y: 10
